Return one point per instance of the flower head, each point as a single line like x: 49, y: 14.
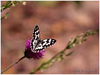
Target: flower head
x: 29, y: 54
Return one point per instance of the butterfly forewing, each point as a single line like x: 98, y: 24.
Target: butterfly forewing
x: 36, y: 33
x: 45, y: 43
x: 35, y: 38
x: 48, y: 42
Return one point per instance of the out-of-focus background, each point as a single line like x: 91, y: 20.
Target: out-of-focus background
x: 59, y: 20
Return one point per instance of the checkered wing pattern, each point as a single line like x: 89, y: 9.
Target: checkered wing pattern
x: 37, y: 44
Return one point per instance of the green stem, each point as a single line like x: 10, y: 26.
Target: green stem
x: 77, y: 40
x: 8, y: 4
x: 12, y: 64
x: 5, y: 15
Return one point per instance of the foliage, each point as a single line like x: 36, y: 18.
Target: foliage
x: 8, y: 4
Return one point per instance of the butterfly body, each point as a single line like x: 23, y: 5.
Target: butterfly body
x: 37, y: 44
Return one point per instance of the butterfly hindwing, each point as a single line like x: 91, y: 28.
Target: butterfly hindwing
x: 39, y: 47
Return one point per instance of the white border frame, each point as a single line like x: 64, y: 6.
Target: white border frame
x: 49, y: 0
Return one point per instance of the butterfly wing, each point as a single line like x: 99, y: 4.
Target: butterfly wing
x: 48, y: 42
x: 37, y: 44
x: 35, y: 38
x: 44, y: 44
x: 36, y: 33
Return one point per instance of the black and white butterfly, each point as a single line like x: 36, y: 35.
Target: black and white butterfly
x: 37, y: 44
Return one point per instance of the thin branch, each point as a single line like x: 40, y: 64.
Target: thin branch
x: 12, y: 64
x: 5, y: 16
x: 59, y: 56
x: 8, y: 4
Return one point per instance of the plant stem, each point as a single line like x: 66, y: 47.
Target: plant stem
x: 12, y: 64
x: 72, y: 43
x: 8, y: 4
x: 43, y: 64
x: 5, y: 16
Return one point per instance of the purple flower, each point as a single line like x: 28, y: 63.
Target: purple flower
x: 29, y: 54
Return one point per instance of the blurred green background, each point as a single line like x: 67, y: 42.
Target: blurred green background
x: 61, y: 20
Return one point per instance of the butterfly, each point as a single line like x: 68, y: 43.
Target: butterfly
x: 37, y: 44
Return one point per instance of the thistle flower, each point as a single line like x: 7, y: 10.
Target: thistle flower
x: 29, y: 54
